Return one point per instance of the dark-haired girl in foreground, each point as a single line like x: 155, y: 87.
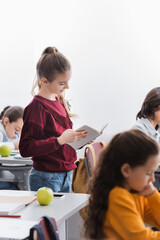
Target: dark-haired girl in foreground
x: 123, y: 197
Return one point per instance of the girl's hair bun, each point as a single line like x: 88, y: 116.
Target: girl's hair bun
x: 3, y: 112
x: 50, y: 50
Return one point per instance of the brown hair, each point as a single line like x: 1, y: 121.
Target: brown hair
x: 132, y: 147
x: 12, y: 113
x: 150, y: 105
x: 50, y: 64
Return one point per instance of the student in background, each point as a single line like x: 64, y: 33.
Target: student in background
x: 10, y: 126
x: 10, y: 129
x: 123, y: 197
x: 47, y: 126
x: 148, y: 118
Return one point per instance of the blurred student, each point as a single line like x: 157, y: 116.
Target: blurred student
x: 148, y: 118
x: 10, y: 129
x: 47, y: 126
x: 123, y: 197
x: 11, y: 122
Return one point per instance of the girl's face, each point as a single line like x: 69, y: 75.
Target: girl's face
x: 13, y: 127
x: 138, y: 178
x: 157, y: 116
x: 58, y: 85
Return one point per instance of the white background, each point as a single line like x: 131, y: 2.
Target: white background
x: 113, y: 47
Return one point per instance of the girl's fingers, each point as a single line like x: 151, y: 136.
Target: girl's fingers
x: 80, y: 135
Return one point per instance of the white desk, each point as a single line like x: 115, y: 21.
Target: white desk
x: 12, y: 160
x: 60, y: 209
x: 19, y: 168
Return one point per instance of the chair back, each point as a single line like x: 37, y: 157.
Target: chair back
x: 91, y: 155
x: 45, y: 230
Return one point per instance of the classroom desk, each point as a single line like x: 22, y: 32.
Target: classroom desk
x: 15, y: 170
x: 60, y: 209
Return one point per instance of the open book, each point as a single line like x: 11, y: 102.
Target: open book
x: 11, y: 203
x: 92, y: 134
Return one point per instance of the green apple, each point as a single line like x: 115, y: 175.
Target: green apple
x: 5, y: 151
x: 44, y: 195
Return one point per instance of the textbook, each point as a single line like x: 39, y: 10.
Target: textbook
x: 7, y: 208
x: 92, y: 134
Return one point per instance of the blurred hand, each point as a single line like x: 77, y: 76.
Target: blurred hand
x: 149, y: 190
x: 71, y: 135
x: 16, y: 144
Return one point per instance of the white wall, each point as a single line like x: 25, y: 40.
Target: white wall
x: 113, y: 46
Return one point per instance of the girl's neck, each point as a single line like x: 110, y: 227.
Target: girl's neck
x: 47, y: 95
x: 125, y: 186
x: 153, y: 122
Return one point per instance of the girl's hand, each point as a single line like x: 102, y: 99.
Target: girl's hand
x: 71, y: 135
x: 16, y: 145
x: 149, y: 190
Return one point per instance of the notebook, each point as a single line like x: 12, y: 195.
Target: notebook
x: 10, y: 208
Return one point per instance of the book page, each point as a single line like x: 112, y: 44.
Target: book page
x: 103, y: 127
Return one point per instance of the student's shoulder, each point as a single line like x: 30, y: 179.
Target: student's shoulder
x: 142, y: 124
x: 34, y: 105
x: 139, y: 124
x: 121, y: 195
x: 119, y: 191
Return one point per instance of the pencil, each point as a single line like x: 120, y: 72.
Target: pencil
x: 10, y: 216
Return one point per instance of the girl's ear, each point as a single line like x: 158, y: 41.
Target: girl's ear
x: 125, y: 170
x: 5, y: 121
x: 44, y: 80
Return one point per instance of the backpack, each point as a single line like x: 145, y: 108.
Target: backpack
x: 85, y: 165
x: 82, y: 173
x: 46, y: 229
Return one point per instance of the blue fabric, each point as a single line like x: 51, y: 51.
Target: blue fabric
x: 4, y: 140
x: 3, y: 132
x: 58, y: 182
x: 39, y: 231
x: 9, y: 185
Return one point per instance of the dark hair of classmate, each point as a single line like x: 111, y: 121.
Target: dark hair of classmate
x: 12, y: 113
x: 132, y: 147
x: 50, y: 64
x: 150, y: 105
